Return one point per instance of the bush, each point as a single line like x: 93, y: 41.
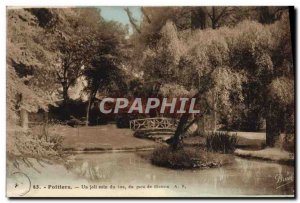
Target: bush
x: 184, y: 158
x: 289, y: 143
x: 286, y: 142
x: 221, y: 142
x: 36, y: 143
x: 123, y: 121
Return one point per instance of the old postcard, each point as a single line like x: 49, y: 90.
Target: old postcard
x: 120, y: 101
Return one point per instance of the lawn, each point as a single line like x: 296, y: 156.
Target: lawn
x: 109, y: 137
x: 246, y: 140
x: 271, y: 154
x: 101, y: 138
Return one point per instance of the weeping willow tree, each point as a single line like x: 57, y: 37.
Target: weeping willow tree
x: 198, y: 63
x: 219, y: 67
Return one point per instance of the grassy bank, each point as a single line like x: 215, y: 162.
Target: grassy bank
x: 244, y: 140
x: 101, y: 138
x: 270, y: 154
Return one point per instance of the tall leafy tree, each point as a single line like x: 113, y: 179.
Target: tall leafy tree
x: 31, y: 63
x: 31, y: 86
x: 106, y: 71
x: 76, y: 40
x: 199, y: 63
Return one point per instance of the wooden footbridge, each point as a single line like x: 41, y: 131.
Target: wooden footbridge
x: 158, y: 128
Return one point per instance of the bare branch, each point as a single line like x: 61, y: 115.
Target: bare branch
x: 132, y: 20
x: 146, y: 15
x: 223, y: 12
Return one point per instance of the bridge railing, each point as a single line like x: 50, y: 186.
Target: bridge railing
x: 153, y: 123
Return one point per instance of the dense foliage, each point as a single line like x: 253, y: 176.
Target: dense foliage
x: 243, y: 71
x: 185, y: 158
x: 48, y: 51
x: 236, y: 61
x: 222, y: 142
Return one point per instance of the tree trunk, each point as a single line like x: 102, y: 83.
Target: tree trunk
x: 88, y: 112
x: 183, y: 120
x: 91, y: 98
x: 24, y: 119
x: 181, y: 126
x: 198, y: 18
x: 23, y: 112
x: 214, y: 128
x: 213, y: 20
x: 66, y: 112
x: 179, y: 131
x: 201, y: 125
x: 272, y: 127
x: 65, y: 94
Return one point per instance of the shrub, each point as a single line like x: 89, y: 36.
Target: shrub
x: 221, y: 142
x: 289, y: 144
x: 184, y: 158
x: 37, y: 143
x: 286, y: 142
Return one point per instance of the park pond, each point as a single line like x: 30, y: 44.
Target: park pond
x: 129, y: 174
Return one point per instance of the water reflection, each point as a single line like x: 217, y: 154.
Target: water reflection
x: 242, y: 177
x: 94, y: 170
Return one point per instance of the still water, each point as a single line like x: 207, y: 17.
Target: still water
x: 241, y: 177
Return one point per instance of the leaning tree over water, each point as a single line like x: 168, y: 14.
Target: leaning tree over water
x: 226, y: 67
